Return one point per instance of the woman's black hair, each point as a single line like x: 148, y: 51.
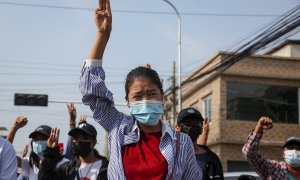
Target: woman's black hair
x: 34, y: 159
x: 142, y: 72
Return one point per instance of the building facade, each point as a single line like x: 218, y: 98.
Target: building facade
x: 234, y: 99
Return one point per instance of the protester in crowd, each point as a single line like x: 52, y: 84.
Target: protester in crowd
x: 87, y: 165
x: 272, y: 169
x: 8, y: 160
x: 191, y: 122
x: 140, y: 145
x: 30, y: 166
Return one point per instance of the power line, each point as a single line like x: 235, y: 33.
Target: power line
x: 107, y: 69
x: 287, y: 23
x: 140, y: 12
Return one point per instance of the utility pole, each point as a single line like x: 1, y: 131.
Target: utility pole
x: 173, y: 93
x: 178, y: 52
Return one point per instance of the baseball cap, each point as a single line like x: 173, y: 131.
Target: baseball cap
x: 189, y: 113
x: 43, y: 129
x: 84, y: 127
x: 292, y: 139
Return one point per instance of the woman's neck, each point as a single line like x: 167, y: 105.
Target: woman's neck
x: 150, y: 129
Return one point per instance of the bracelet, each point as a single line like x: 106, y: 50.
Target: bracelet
x: 72, y: 123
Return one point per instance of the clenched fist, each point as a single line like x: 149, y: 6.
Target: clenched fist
x: 264, y: 123
x: 20, y: 122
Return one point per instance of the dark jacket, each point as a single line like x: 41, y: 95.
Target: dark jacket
x: 66, y: 171
x: 214, y: 165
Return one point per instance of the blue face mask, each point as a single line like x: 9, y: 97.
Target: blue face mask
x: 292, y: 157
x: 146, y: 112
x: 38, y: 147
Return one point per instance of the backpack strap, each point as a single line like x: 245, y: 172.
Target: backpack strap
x: 176, y: 153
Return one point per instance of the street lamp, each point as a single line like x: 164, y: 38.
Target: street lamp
x: 179, y: 54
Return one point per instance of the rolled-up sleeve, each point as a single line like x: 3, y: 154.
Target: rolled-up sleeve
x: 97, y: 96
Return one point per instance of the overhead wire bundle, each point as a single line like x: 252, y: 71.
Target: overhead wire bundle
x: 282, y: 27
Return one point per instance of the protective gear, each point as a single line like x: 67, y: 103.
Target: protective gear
x: 192, y: 130
x: 82, y: 149
x: 292, y: 157
x: 147, y: 112
x: 38, y: 147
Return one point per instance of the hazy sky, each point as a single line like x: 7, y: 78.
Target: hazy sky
x: 43, y: 48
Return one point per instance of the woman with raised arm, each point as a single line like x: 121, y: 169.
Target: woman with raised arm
x: 140, y: 144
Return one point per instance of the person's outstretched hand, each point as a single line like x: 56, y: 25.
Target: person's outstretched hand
x: 25, y: 150
x: 103, y: 17
x: 73, y: 113
x: 205, y: 126
x: 53, y: 139
x: 82, y: 119
x: 264, y: 123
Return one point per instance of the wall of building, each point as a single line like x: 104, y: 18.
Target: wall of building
x: 283, y: 52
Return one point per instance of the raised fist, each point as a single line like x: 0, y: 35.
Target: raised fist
x: 20, y: 122
x: 264, y: 123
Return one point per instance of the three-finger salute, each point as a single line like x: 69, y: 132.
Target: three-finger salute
x: 103, y: 17
x: 53, y: 139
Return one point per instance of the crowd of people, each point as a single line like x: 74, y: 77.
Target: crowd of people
x: 140, y: 144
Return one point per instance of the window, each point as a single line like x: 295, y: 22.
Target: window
x: 206, y: 104
x: 250, y: 101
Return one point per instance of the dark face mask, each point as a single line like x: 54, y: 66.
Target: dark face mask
x: 82, y: 149
x: 192, y: 130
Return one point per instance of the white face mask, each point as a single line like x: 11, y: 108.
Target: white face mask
x: 292, y: 157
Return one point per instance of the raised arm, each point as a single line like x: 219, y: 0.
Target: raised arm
x: 73, y: 114
x: 92, y: 81
x: 103, y: 20
x: 205, y: 132
x: 257, y: 161
x: 20, y: 122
